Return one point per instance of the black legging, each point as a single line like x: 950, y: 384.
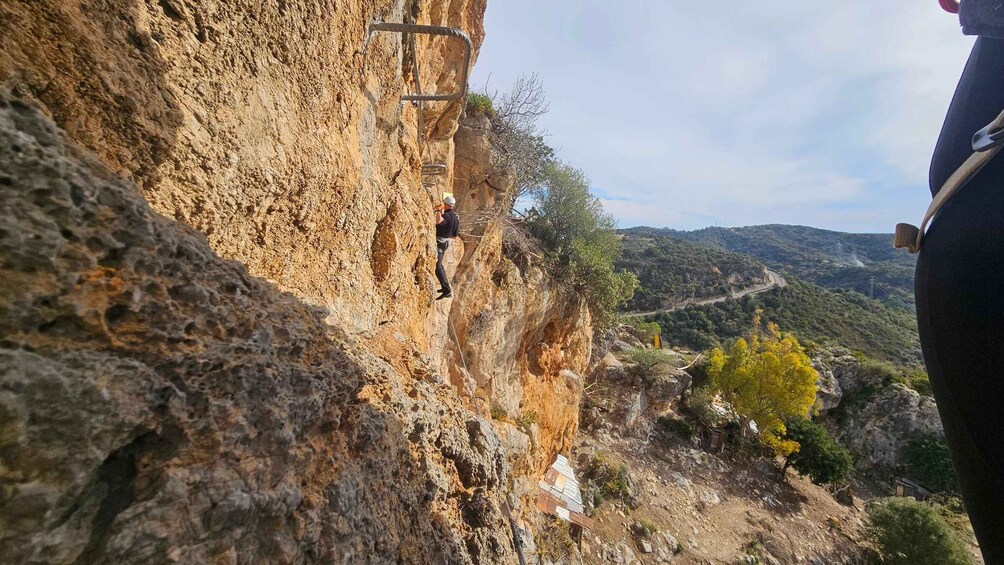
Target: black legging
x: 960, y: 300
x: 444, y: 283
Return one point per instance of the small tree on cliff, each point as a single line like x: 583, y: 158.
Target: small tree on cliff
x: 766, y: 379
x: 580, y: 241
x: 647, y: 331
x: 818, y: 456
x: 519, y: 146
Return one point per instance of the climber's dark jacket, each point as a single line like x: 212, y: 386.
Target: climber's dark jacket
x: 960, y: 285
x: 448, y: 228
x: 982, y: 17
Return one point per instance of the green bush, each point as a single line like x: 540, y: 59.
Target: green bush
x: 908, y: 532
x: 609, y: 480
x: 649, y: 359
x: 929, y: 461
x: 554, y: 541
x: 677, y: 426
x: 647, y: 331
x: 526, y: 419
x: 643, y: 528
x: 480, y: 104
x: 699, y: 404
x: 819, y: 457
x: 580, y: 242
x: 918, y: 381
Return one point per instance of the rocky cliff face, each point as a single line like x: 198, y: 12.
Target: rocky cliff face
x: 218, y: 335
x: 874, y: 419
x: 277, y: 131
x: 524, y: 340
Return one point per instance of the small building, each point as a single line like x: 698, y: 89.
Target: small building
x: 559, y: 495
x: 909, y: 488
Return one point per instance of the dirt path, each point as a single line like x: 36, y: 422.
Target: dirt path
x: 775, y: 281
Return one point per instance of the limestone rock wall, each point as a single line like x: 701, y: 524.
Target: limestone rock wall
x: 160, y: 404
x: 217, y: 331
x: 875, y: 420
x: 524, y: 341
x: 275, y: 129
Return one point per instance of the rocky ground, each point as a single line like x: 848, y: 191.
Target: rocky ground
x: 706, y: 508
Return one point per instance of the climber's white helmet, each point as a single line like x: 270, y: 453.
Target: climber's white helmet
x: 450, y: 201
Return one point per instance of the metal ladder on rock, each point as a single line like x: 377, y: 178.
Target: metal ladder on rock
x: 429, y: 170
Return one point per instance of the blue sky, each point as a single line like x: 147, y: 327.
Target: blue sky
x: 689, y: 114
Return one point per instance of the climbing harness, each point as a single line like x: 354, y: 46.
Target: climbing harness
x: 986, y: 144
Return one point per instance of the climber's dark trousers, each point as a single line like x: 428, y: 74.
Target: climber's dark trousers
x: 960, y: 300
x: 444, y: 284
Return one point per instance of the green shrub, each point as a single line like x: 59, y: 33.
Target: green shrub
x: 651, y: 359
x: 643, y: 528
x: 650, y: 364
x: 677, y: 426
x: 579, y: 240
x: 610, y: 480
x: 929, y: 461
x: 918, y: 381
x: 526, y: 419
x: 908, y: 532
x: 819, y: 457
x: 480, y: 104
x: 699, y: 404
x: 554, y: 541
x: 647, y: 331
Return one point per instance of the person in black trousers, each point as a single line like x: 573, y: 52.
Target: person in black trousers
x: 960, y: 286
x: 447, y: 225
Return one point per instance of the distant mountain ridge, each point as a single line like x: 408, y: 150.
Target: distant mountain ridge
x: 672, y: 271
x: 865, y: 263
x: 830, y: 275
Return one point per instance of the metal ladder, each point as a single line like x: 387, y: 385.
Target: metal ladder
x: 418, y: 98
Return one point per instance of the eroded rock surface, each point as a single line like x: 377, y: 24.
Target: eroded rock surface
x: 308, y: 400
x: 874, y: 419
x: 159, y: 403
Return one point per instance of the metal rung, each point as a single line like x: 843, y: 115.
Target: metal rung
x: 434, y: 170
x: 432, y: 30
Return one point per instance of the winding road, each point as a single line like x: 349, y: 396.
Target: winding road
x: 775, y: 281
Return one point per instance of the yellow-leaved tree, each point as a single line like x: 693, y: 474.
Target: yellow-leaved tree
x: 765, y: 379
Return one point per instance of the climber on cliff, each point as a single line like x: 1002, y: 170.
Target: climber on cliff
x: 447, y: 225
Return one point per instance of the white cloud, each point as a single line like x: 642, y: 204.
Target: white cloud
x: 786, y: 111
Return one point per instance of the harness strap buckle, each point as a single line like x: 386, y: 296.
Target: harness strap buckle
x: 989, y: 137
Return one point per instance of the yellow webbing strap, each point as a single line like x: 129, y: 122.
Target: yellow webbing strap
x: 910, y: 236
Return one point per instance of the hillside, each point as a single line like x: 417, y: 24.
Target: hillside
x: 672, y: 271
x: 811, y: 313
x: 830, y: 259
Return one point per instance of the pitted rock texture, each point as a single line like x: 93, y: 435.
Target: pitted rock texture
x: 274, y: 129
x: 161, y: 404
x: 276, y: 132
